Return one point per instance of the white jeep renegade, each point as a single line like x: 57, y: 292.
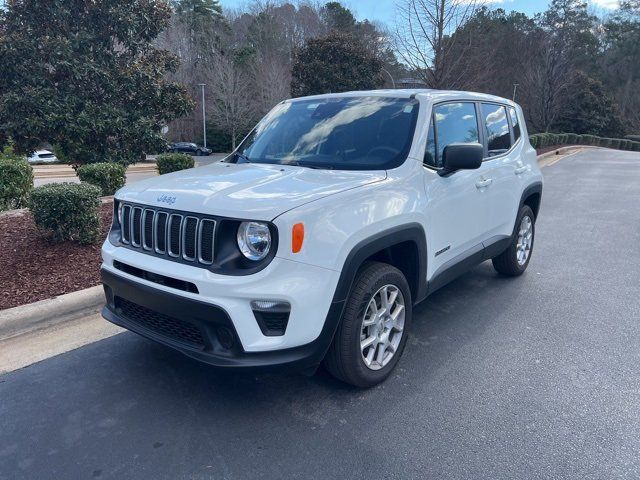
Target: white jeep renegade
x: 314, y: 239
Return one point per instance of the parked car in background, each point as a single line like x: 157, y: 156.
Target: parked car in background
x: 190, y: 148
x: 42, y: 156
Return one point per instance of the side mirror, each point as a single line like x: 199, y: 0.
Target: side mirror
x: 461, y: 156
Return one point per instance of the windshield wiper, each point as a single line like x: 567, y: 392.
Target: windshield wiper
x: 297, y: 163
x: 242, y: 156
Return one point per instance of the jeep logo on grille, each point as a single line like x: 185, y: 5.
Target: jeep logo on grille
x: 167, y: 199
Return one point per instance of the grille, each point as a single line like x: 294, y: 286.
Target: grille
x: 165, y: 325
x: 186, y: 238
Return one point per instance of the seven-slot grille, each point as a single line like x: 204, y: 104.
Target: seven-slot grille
x: 177, y: 236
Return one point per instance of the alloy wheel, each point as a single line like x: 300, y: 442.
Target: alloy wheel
x: 382, y: 327
x: 525, y: 240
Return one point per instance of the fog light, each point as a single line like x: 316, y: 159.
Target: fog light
x: 272, y: 316
x: 270, y: 306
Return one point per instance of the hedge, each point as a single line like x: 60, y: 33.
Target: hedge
x: 109, y: 177
x: 542, y: 140
x: 67, y: 211
x: 173, y: 162
x: 16, y: 181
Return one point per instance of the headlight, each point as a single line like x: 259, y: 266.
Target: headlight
x: 254, y: 240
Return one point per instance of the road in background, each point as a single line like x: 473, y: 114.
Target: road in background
x: 530, y: 378
x: 63, y: 173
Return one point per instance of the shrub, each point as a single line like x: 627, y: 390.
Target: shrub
x: 615, y: 143
x: 108, y: 176
x: 634, y: 138
x: 592, y: 140
x: 16, y: 181
x: 533, y: 140
x: 635, y: 146
x: 605, y: 142
x: 572, y: 139
x: 543, y: 140
x: 67, y: 211
x: 172, y: 162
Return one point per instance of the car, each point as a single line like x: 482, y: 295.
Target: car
x: 191, y: 148
x: 312, y: 242
x: 42, y: 156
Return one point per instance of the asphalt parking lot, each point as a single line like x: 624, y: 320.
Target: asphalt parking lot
x: 534, y: 377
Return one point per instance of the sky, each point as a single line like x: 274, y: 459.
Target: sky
x: 383, y: 10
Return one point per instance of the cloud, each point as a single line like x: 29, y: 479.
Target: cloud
x: 485, y: 2
x: 610, y: 4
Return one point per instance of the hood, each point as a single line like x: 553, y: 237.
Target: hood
x: 253, y: 191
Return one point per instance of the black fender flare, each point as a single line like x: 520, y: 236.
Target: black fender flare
x: 528, y: 191
x: 412, y: 232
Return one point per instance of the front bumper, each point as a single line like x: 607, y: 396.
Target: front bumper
x: 201, y: 330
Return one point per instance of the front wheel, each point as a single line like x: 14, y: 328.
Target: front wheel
x: 373, y: 329
x: 515, y: 259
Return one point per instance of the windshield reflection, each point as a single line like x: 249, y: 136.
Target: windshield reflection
x: 348, y: 133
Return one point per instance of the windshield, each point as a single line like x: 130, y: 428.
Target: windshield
x: 354, y: 133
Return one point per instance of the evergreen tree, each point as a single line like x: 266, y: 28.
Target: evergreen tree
x: 336, y: 63
x: 86, y: 77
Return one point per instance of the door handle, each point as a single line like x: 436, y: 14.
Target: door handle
x: 484, y: 183
x: 521, y: 170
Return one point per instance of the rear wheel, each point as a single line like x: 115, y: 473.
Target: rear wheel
x: 373, y: 329
x: 515, y: 259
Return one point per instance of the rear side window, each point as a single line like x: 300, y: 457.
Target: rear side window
x: 454, y: 123
x: 497, y: 128
x: 515, y: 124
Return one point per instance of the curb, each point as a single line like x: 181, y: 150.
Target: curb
x: 34, y: 316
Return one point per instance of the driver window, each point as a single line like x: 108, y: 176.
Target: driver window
x: 454, y: 123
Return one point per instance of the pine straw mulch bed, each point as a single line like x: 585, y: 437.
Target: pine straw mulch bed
x: 32, y: 268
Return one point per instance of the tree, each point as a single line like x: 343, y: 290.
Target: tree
x: 589, y: 110
x: 232, y: 107
x: 335, y: 63
x: 567, y: 44
x: 622, y: 60
x: 426, y: 41
x: 491, y: 41
x: 337, y: 17
x: 199, y: 10
x: 85, y: 77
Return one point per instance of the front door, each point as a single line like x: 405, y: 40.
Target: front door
x: 458, y: 204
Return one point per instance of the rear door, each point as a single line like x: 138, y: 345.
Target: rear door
x: 502, y: 167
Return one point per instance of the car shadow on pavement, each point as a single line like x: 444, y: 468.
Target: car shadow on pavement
x: 448, y: 318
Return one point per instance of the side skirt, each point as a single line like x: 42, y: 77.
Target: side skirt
x: 466, y: 261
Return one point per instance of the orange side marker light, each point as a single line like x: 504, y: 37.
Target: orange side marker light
x: 297, y: 237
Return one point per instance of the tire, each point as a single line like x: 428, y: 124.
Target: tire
x: 345, y: 358
x: 198, y: 153
x: 509, y: 262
